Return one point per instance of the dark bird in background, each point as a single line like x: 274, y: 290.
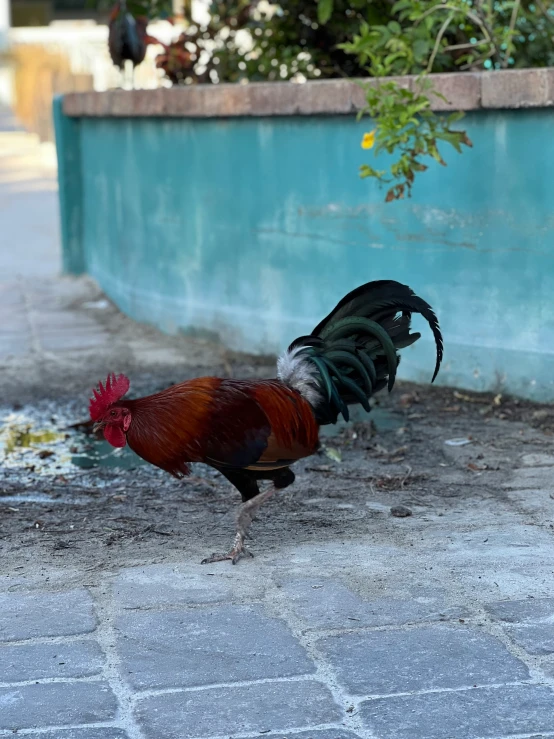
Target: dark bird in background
x: 254, y: 430
x: 127, y: 37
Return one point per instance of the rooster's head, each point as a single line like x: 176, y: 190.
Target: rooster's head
x: 107, y: 413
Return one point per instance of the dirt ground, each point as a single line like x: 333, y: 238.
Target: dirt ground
x: 432, y: 451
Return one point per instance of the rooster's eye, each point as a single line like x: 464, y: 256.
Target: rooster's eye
x: 112, y: 413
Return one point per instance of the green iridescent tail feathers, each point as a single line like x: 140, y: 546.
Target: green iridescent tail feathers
x: 355, y: 348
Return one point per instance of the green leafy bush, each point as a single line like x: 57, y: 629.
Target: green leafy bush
x: 407, y: 128
x: 430, y: 36
x: 257, y: 40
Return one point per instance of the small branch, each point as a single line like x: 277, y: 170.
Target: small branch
x: 476, y: 63
x: 513, y: 21
x: 468, y: 14
x: 440, y: 34
x: 485, y: 19
x: 459, y: 47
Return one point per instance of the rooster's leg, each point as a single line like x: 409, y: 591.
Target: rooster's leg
x: 246, y: 515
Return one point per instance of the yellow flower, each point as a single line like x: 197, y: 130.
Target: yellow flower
x: 368, y: 140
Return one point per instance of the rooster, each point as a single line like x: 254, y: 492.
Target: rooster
x: 127, y: 37
x: 254, y: 430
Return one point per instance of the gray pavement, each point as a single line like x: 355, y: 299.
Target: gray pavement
x: 168, y: 651
x: 31, y: 290
x: 349, y: 623
x: 52, y: 325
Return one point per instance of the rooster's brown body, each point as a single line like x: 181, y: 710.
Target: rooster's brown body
x: 254, y: 430
x: 249, y: 431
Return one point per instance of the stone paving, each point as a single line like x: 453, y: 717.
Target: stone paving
x: 31, y: 292
x: 53, y: 325
x: 166, y: 651
x: 434, y: 629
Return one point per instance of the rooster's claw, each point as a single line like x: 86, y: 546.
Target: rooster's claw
x: 243, y: 553
x: 238, y: 550
x: 234, y: 555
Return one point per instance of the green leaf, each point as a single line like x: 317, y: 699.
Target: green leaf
x: 421, y: 48
x: 324, y: 11
x: 454, y: 138
x: 455, y: 117
x: 401, y: 5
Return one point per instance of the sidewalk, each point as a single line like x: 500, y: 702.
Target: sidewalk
x: 30, y: 290
x: 54, y: 326
x: 349, y: 623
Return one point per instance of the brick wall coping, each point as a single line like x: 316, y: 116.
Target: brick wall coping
x: 525, y: 88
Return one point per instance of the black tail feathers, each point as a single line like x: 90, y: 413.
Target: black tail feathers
x: 352, y: 353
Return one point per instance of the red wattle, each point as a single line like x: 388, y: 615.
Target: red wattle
x: 115, y: 436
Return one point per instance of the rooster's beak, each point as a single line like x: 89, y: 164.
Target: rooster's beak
x: 97, y: 427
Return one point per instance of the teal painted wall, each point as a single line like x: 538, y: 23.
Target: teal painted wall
x: 68, y: 149
x: 254, y: 228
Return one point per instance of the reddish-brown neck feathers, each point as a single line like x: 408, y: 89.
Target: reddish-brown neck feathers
x: 105, y: 396
x: 168, y: 428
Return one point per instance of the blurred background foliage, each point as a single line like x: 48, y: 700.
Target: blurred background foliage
x: 257, y: 40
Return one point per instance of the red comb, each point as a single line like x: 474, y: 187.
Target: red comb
x: 104, y: 397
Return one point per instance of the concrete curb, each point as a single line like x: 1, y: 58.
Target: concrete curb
x: 522, y: 88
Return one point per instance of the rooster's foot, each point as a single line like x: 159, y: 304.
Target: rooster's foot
x: 237, y: 552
